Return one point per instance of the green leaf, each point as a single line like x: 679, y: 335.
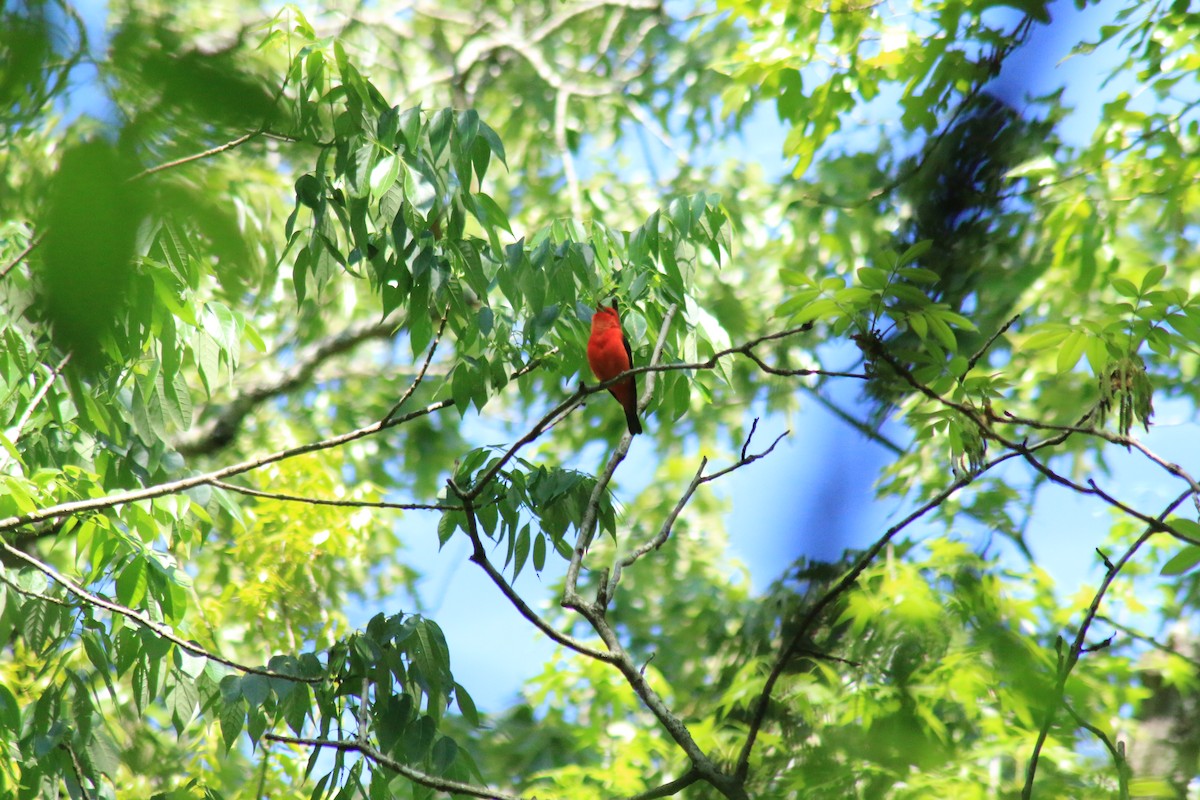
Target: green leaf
x: 916, y: 251
x: 1182, y: 562
x: 488, y: 213
x: 522, y: 551
x: 468, y: 127
x: 256, y: 689
x: 466, y: 705
x: 444, y: 751
x: 309, y: 191
x: 1071, y: 351
x: 181, y: 701
x: 1124, y: 287
x: 232, y: 720
x: 539, y: 553
x: 439, y: 130
x: 384, y: 175
x: 1047, y: 336
x: 131, y: 583
x: 10, y: 712
x: 494, y: 142
x: 872, y: 277
x: 1152, y: 277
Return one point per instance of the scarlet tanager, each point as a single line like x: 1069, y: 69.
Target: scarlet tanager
x: 609, y: 355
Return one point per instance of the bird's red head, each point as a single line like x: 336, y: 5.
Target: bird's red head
x: 606, y: 317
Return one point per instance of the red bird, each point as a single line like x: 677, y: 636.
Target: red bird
x: 609, y: 355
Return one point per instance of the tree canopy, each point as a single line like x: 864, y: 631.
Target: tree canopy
x: 305, y: 282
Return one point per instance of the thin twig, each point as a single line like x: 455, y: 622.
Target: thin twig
x: 324, y: 501
x: 658, y: 540
x: 1071, y: 658
x: 1150, y: 640
x: 982, y: 351
x: 212, y: 151
x: 45, y: 598
x: 664, y: 532
x: 21, y: 256
x: 1118, y: 756
x: 670, y: 788
x: 412, y: 387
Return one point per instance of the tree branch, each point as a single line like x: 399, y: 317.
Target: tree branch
x: 323, y: 501
x: 434, y: 782
x: 21, y: 256
x: 212, y: 151
x: 183, y: 484
x: 759, y: 714
x: 664, y: 532
x: 220, y: 431
x: 479, y: 556
x: 141, y: 618
x: 1116, y: 751
x: 412, y: 387
x: 670, y: 788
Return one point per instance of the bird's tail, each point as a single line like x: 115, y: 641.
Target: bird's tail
x: 631, y: 419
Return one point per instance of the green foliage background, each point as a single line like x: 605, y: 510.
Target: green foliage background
x: 253, y: 317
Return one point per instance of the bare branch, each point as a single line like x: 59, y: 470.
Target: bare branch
x: 141, y: 618
x: 658, y: 540
x: 416, y: 776
x: 664, y: 532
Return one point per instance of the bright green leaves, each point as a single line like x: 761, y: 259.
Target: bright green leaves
x: 896, y: 295
x: 653, y: 249
x: 1140, y: 328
